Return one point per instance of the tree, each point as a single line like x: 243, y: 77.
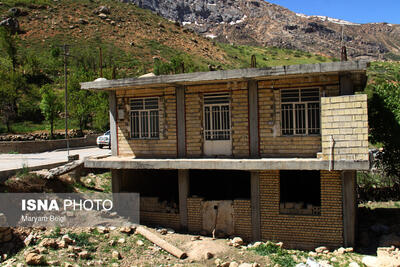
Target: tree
x: 50, y: 106
x: 8, y: 43
x: 7, y: 110
x: 81, y: 102
x: 384, y: 120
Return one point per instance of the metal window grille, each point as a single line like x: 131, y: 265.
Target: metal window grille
x: 217, y: 122
x: 144, y: 118
x: 300, y: 110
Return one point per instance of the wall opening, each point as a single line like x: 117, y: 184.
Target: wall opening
x: 219, y: 184
x: 300, y: 192
x: 158, y: 189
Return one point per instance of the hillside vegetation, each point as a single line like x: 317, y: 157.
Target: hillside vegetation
x: 133, y: 42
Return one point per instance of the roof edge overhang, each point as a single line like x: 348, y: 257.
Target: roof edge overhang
x: 115, y: 162
x: 229, y: 75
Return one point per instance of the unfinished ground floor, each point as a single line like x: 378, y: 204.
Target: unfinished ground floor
x: 302, y: 208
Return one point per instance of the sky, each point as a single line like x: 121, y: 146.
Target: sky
x: 358, y: 11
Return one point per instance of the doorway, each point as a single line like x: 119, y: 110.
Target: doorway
x: 217, y: 125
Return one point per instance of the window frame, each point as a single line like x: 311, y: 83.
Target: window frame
x: 213, y: 132
x: 294, y: 125
x: 148, y: 117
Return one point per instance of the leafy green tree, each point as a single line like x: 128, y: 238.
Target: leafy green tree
x: 82, y: 103
x: 384, y: 120
x: 8, y: 97
x: 101, y: 119
x: 8, y: 43
x: 12, y: 87
x: 51, y: 105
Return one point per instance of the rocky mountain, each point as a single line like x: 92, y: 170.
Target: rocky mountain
x: 261, y: 23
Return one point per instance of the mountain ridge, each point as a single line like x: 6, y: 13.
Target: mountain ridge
x: 257, y: 22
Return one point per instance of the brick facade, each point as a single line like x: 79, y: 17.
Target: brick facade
x: 194, y: 214
x: 272, y: 143
x: 302, y: 231
x: 166, y: 145
x: 295, y: 231
x: 240, y: 122
x: 170, y: 220
x: 242, y: 217
x: 239, y: 115
x: 345, y: 118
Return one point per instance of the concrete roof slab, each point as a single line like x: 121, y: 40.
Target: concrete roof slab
x: 224, y: 164
x: 253, y: 73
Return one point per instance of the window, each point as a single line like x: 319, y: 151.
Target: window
x: 300, y: 111
x: 217, y: 123
x: 144, y: 118
x: 300, y: 192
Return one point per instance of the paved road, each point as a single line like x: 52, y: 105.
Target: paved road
x: 17, y: 161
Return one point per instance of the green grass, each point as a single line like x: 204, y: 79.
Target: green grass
x: 27, y: 2
x: 24, y: 172
x: 240, y: 55
x: 107, y: 184
x: 55, y: 233
x: 101, y: 181
x: 129, y: 62
x: 374, y: 180
x: 82, y: 240
x: 29, y: 126
x: 276, y: 254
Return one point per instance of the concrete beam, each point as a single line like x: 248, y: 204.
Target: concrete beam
x: 181, y: 121
x: 183, y: 180
x: 255, y: 206
x: 112, y: 101
x: 223, y: 164
x: 196, y: 77
x: 253, y: 118
x: 349, y: 207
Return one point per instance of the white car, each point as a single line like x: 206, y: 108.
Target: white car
x: 104, y: 140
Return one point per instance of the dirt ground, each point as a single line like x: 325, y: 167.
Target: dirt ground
x: 99, y: 246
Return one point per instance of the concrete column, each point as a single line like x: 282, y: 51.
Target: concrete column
x: 183, y: 181
x: 349, y: 207
x: 116, y: 180
x: 253, y: 118
x: 346, y: 84
x: 255, y: 206
x: 112, y: 100
x: 181, y: 127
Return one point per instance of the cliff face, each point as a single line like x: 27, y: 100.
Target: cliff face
x: 261, y: 23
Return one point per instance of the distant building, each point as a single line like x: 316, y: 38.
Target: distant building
x: 266, y: 154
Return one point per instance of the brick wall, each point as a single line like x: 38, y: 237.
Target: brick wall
x: 194, y: 214
x: 302, y: 231
x: 239, y: 115
x: 272, y: 143
x: 240, y: 123
x: 194, y: 115
x: 166, y: 145
x: 345, y: 118
x: 171, y: 220
x: 242, y: 217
